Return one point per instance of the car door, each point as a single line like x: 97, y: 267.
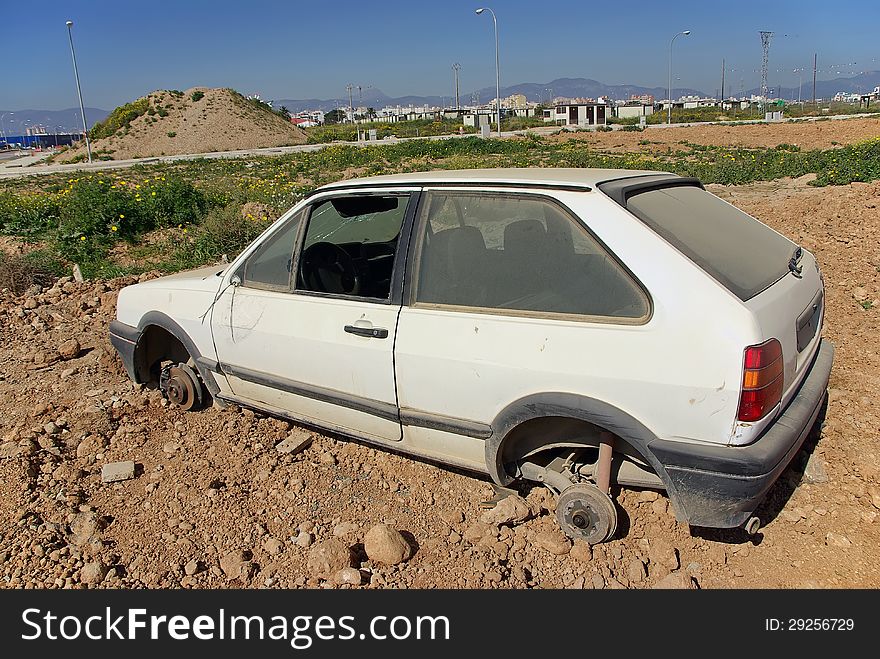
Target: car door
x: 310, y: 329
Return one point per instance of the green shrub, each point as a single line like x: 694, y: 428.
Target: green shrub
x: 197, y: 96
x: 120, y: 118
x: 171, y: 133
x: 222, y: 231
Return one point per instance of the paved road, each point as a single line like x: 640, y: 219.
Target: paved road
x: 29, y: 165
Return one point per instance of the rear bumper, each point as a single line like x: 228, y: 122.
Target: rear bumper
x: 721, y: 486
x: 124, y: 338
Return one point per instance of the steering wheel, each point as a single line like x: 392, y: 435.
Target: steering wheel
x: 327, y: 268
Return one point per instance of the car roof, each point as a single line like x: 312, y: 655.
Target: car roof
x: 526, y: 176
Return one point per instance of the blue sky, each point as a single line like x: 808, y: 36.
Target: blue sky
x: 309, y: 50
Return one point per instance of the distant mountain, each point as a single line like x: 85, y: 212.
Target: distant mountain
x: 575, y: 88
x: 69, y: 120
x: 861, y: 83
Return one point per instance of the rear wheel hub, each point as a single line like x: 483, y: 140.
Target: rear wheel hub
x: 586, y: 513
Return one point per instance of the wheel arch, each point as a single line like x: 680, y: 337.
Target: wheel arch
x: 555, y: 409
x: 160, y: 336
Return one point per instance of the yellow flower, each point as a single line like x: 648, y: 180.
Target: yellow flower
x: 82, y: 237
x: 113, y: 228
x: 121, y: 216
x: 153, y: 193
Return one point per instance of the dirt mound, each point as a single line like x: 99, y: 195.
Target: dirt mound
x: 199, y: 120
x: 232, y: 498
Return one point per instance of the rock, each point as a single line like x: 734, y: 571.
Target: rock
x: 328, y: 557
x: 235, y: 564
x: 676, y: 581
x: 815, y: 470
x: 69, y: 349
x: 297, y: 442
x: 581, y: 551
x: 348, y: 575
x: 77, y: 273
x: 663, y: 553
x: 597, y: 581
x: 51, y: 429
x: 31, y: 303
x: 384, y: 544
x: 554, y: 542
x: 327, y: 458
x: 660, y: 507
x: 837, y: 540
x: 635, y: 571
x: 273, y: 546
x: 475, y: 531
x: 304, y: 539
x: 117, y: 471
x: 647, y: 496
x: 874, y: 493
x: 171, y: 447
x: 860, y: 294
x: 345, y: 528
x: 90, y: 445
x: 511, y: 510
x: 83, y: 526
x: 93, y: 573
x: 191, y: 568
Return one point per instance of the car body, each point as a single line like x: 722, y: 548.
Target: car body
x: 565, y: 326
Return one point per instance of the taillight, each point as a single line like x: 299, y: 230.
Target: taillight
x: 762, y: 380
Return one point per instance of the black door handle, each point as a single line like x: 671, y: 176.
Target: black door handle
x: 369, y: 332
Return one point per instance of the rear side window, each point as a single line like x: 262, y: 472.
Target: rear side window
x: 744, y: 255
x: 518, y: 252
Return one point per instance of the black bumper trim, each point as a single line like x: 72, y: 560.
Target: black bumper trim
x: 124, y: 338
x: 721, y: 486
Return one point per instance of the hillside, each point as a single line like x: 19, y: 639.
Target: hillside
x: 199, y: 120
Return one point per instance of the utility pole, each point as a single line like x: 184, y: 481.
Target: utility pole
x: 349, y: 87
x: 82, y: 108
x: 814, y: 77
x: 765, y: 47
x: 722, y: 79
x: 455, y: 69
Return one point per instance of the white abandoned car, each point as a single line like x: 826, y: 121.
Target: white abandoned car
x: 577, y: 328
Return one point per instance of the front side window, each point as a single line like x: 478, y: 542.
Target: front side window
x: 518, y: 252
x: 350, y: 246
x: 270, y: 264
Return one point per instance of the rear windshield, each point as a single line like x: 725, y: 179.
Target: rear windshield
x: 741, y: 253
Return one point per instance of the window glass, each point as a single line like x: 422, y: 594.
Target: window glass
x: 744, y: 255
x: 350, y: 245
x: 518, y: 252
x: 269, y: 265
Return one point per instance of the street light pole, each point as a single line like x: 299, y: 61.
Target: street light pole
x: 497, y: 69
x: 455, y: 69
x: 669, y: 107
x: 82, y: 108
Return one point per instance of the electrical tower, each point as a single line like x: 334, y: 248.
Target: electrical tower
x: 765, y: 45
x: 455, y: 69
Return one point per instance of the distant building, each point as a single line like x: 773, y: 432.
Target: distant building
x: 634, y: 109
x: 577, y: 114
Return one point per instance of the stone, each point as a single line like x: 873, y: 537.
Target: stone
x: 327, y: 458
x: 815, y: 472
x: 191, y: 568
x: 51, y: 428
x: 676, y: 581
x: 69, y: 349
x: 296, y: 442
x: 859, y: 293
x: 171, y: 447
x: 581, y: 551
x: 117, y: 471
x: 328, y: 557
x: 90, y: 445
x: 663, y: 553
x: 554, y: 542
x: 648, y: 496
x: 475, y: 531
x: 348, y: 575
x: 304, y: 539
x: 660, y: 507
x: 273, y: 546
x: 235, y: 564
x: 837, y: 540
x: 93, y: 573
x: 345, y: 528
x: 635, y: 571
x: 874, y: 493
x: 384, y: 544
x: 511, y: 510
